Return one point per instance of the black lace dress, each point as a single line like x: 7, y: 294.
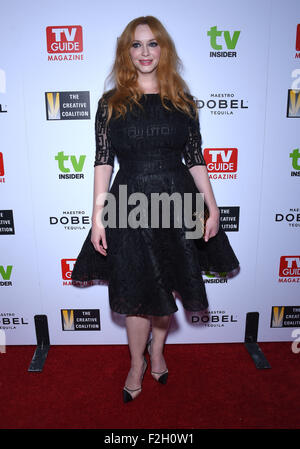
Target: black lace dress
x: 144, y: 265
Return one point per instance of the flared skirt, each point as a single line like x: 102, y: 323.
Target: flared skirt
x: 149, y: 258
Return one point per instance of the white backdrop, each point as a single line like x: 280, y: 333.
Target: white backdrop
x: 242, y: 89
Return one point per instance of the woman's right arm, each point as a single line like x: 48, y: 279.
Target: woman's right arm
x: 103, y: 168
x: 102, y: 176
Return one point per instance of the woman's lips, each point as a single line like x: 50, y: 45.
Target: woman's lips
x: 145, y: 61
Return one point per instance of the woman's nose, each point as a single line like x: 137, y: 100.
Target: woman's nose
x: 145, y: 50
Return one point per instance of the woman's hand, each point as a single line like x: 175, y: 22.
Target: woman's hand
x: 212, y: 225
x: 202, y: 181
x: 98, y: 237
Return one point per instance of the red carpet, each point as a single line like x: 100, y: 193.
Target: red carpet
x: 210, y: 386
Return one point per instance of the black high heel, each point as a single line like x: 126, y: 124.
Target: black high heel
x: 127, y: 397
x: 164, y: 374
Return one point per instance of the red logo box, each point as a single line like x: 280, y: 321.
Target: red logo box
x: 221, y: 160
x: 289, y: 266
x: 67, y: 268
x: 64, y: 39
x: 298, y: 38
x: 1, y: 165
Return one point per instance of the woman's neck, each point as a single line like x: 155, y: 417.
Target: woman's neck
x: 150, y: 88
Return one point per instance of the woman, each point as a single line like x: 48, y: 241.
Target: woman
x: 149, y: 121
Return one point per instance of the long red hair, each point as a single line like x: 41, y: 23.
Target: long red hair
x: 124, y: 74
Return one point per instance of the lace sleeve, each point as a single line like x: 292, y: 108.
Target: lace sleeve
x: 192, y: 152
x: 105, y: 154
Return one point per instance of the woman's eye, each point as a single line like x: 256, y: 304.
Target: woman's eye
x: 152, y: 44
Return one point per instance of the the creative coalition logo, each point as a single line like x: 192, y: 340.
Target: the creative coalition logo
x: 80, y: 320
x: 6, y: 222
x: 289, y: 269
x: 222, y: 104
x: 71, y: 220
x: 229, y: 218
x: 67, y: 266
x: 285, y: 316
x: 223, y: 43
x: 291, y: 218
x: 5, y: 275
x: 221, y: 162
x: 64, y: 43
x: 70, y: 166
x: 2, y: 178
x: 213, y: 318
x: 293, y: 103
x: 68, y: 105
x: 295, y: 156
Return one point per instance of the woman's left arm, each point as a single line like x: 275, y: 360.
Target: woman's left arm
x: 196, y: 164
x: 202, y: 181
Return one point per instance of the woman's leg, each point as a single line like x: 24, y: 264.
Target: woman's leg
x: 160, y: 326
x: 137, y: 328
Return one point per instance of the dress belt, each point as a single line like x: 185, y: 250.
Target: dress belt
x: 150, y: 165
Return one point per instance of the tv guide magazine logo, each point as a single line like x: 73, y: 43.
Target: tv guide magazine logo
x: 221, y: 162
x: 64, y: 43
x: 289, y: 269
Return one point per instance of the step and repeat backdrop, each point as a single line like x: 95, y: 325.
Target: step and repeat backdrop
x: 241, y: 61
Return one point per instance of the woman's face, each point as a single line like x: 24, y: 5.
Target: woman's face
x: 144, y: 50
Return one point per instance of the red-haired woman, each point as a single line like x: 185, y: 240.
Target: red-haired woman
x: 149, y: 120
